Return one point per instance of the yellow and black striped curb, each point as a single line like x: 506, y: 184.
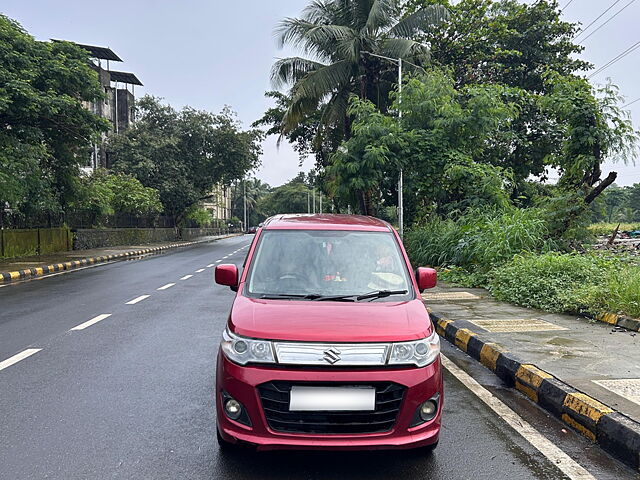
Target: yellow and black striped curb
x: 616, y: 320
x: 614, y: 432
x: 59, y: 267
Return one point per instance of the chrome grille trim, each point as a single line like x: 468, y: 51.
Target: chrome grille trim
x: 332, y: 354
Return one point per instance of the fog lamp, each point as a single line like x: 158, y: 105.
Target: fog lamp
x: 428, y: 410
x: 233, y: 409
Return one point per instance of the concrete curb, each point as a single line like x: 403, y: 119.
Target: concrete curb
x: 616, y: 320
x: 614, y: 432
x: 59, y: 267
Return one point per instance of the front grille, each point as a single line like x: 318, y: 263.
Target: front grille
x: 275, y: 403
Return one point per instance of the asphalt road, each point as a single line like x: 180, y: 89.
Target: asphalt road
x: 131, y: 395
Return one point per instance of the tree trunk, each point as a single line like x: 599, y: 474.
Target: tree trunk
x: 593, y: 194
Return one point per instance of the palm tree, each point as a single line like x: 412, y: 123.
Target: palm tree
x: 337, y: 38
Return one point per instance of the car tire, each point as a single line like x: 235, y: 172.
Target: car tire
x: 429, y: 448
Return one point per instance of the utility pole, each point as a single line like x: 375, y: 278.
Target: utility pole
x: 308, y: 203
x: 244, y: 182
x: 314, y: 200
x: 320, y: 202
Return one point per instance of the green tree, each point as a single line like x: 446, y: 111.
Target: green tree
x: 443, y: 134
x: 45, y: 131
x: 104, y: 193
x: 254, y: 190
x: 292, y: 197
x: 183, y: 154
x: 515, y: 44
x: 339, y: 36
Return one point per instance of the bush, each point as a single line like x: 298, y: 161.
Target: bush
x: 552, y: 281
x: 201, y: 216
x: 619, y: 292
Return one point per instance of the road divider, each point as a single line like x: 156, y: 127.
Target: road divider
x: 74, y: 264
x: 614, y: 432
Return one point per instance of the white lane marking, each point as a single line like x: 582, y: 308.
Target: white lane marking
x: 137, y: 299
x: 218, y: 261
x: 94, y: 320
x: 210, y: 265
x: 200, y: 270
x: 186, y: 277
x: 556, y: 456
x: 164, y: 287
x: 17, y: 357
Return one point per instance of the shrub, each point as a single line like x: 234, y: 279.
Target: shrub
x: 618, y: 292
x: 552, y: 281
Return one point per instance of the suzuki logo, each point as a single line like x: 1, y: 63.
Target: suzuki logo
x: 332, y: 355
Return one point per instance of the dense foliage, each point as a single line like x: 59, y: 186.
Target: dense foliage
x: 183, y: 154
x: 45, y: 131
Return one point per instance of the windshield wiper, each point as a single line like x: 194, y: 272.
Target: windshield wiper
x: 277, y: 296
x: 380, y: 294
x: 357, y: 298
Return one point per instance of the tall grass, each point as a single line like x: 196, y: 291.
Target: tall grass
x: 479, y: 240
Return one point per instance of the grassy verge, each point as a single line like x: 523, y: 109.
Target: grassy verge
x: 507, y: 253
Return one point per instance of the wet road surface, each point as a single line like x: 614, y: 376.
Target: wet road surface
x: 130, y: 393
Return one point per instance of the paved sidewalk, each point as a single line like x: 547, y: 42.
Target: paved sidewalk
x: 598, y: 359
x: 42, y: 264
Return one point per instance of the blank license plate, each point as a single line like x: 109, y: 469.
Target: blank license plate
x: 330, y: 399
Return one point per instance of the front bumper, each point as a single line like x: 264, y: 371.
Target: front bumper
x: 241, y: 383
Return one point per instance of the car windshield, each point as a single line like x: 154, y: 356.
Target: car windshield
x: 321, y: 264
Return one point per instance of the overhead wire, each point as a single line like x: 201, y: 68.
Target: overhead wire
x: 568, y: 3
x: 608, y: 20
x: 582, y: 30
x: 631, y: 103
x: 616, y: 59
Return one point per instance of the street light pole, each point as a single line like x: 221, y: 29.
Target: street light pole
x: 244, y: 183
x: 400, y: 176
x: 400, y: 179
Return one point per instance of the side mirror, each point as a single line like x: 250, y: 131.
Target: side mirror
x: 427, y: 278
x: 227, y: 274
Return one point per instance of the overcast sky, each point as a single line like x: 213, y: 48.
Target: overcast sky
x: 210, y: 53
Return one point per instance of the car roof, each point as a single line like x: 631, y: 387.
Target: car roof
x: 326, y: 222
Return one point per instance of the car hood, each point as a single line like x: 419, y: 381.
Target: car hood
x: 313, y: 321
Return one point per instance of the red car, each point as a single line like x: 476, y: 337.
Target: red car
x: 328, y: 344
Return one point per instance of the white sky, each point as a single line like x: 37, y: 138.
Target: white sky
x: 211, y: 53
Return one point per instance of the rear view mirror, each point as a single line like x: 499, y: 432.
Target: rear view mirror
x: 227, y: 274
x: 427, y: 278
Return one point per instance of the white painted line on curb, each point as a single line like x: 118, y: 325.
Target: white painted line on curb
x: 17, y: 357
x: 137, y: 299
x: 210, y: 265
x: 164, y: 287
x: 556, y: 456
x: 200, y: 270
x: 186, y: 277
x: 93, y: 321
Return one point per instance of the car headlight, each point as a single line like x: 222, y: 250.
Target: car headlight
x: 418, y: 352
x: 244, y: 350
